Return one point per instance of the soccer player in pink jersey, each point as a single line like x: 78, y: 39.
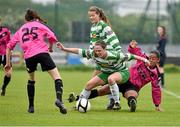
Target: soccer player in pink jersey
x: 140, y: 75
x: 4, y: 40
x: 31, y: 37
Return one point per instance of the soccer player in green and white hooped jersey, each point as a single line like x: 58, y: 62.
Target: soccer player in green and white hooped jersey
x: 101, y: 29
x: 111, y: 66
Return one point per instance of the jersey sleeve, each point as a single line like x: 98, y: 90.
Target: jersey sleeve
x: 15, y: 39
x: 156, y: 91
x: 49, y: 34
x: 85, y: 53
x: 125, y: 57
x: 129, y: 57
x: 136, y: 51
x: 111, y: 37
x: 9, y: 35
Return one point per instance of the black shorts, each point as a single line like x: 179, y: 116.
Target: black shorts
x: 3, y: 60
x: 43, y: 58
x: 123, y: 88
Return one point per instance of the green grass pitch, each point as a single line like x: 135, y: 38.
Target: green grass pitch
x: 13, y: 106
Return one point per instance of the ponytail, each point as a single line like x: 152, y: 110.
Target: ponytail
x: 101, y: 13
x: 32, y: 15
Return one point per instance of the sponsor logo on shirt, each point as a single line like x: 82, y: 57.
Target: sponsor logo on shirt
x: 109, y: 32
x: 93, y: 35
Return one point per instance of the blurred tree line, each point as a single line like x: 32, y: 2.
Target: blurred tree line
x: 69, y: 19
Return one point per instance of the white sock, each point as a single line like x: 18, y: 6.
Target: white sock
x: 110, y: 97
x: 115, y: 92
x: 85, y: 94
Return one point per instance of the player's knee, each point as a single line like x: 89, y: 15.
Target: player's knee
x: 131, y: 93
x: 8, y: 75
x: 111, y: 80
x: 89, y: 86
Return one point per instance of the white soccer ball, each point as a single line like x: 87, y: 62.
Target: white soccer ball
x: 83, y: 105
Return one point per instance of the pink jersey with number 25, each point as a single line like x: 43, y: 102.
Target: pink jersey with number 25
x: 31, y: 37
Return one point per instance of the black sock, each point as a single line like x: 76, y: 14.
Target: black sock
x: 130, y: 98
x: 31, y: 92
x: 6, y: 81
x: 59, y: 89
x: 162, y: 78
x: 94, y: 93
x: 77, y: 97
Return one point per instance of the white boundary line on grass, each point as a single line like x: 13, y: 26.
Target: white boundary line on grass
x: 171, y: 93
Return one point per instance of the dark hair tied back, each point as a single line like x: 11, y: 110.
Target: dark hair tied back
x: 32, y: 15
x: 29, y: 15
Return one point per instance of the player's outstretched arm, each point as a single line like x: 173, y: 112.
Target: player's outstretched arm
x: 136, y: 57
x: 142, y: 59
x: 71, y: 50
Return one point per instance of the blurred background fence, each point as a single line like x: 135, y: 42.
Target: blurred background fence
x: 130, y: 19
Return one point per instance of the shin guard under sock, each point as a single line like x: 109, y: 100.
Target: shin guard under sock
x: 31, y: 92
x: 59, y: 89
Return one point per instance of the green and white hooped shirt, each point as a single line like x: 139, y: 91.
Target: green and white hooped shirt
x: 114, y: 61
x: 102, y: 31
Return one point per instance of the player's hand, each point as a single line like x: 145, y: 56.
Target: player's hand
x: 146, y: 62
x: 159, y: 109
x: 133, y: 44
x: 59, y: 45
x: 7, y: 67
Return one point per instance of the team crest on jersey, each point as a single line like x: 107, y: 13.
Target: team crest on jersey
x: 93, y: 35
x: 109, y: 32
x: 104, y: 65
